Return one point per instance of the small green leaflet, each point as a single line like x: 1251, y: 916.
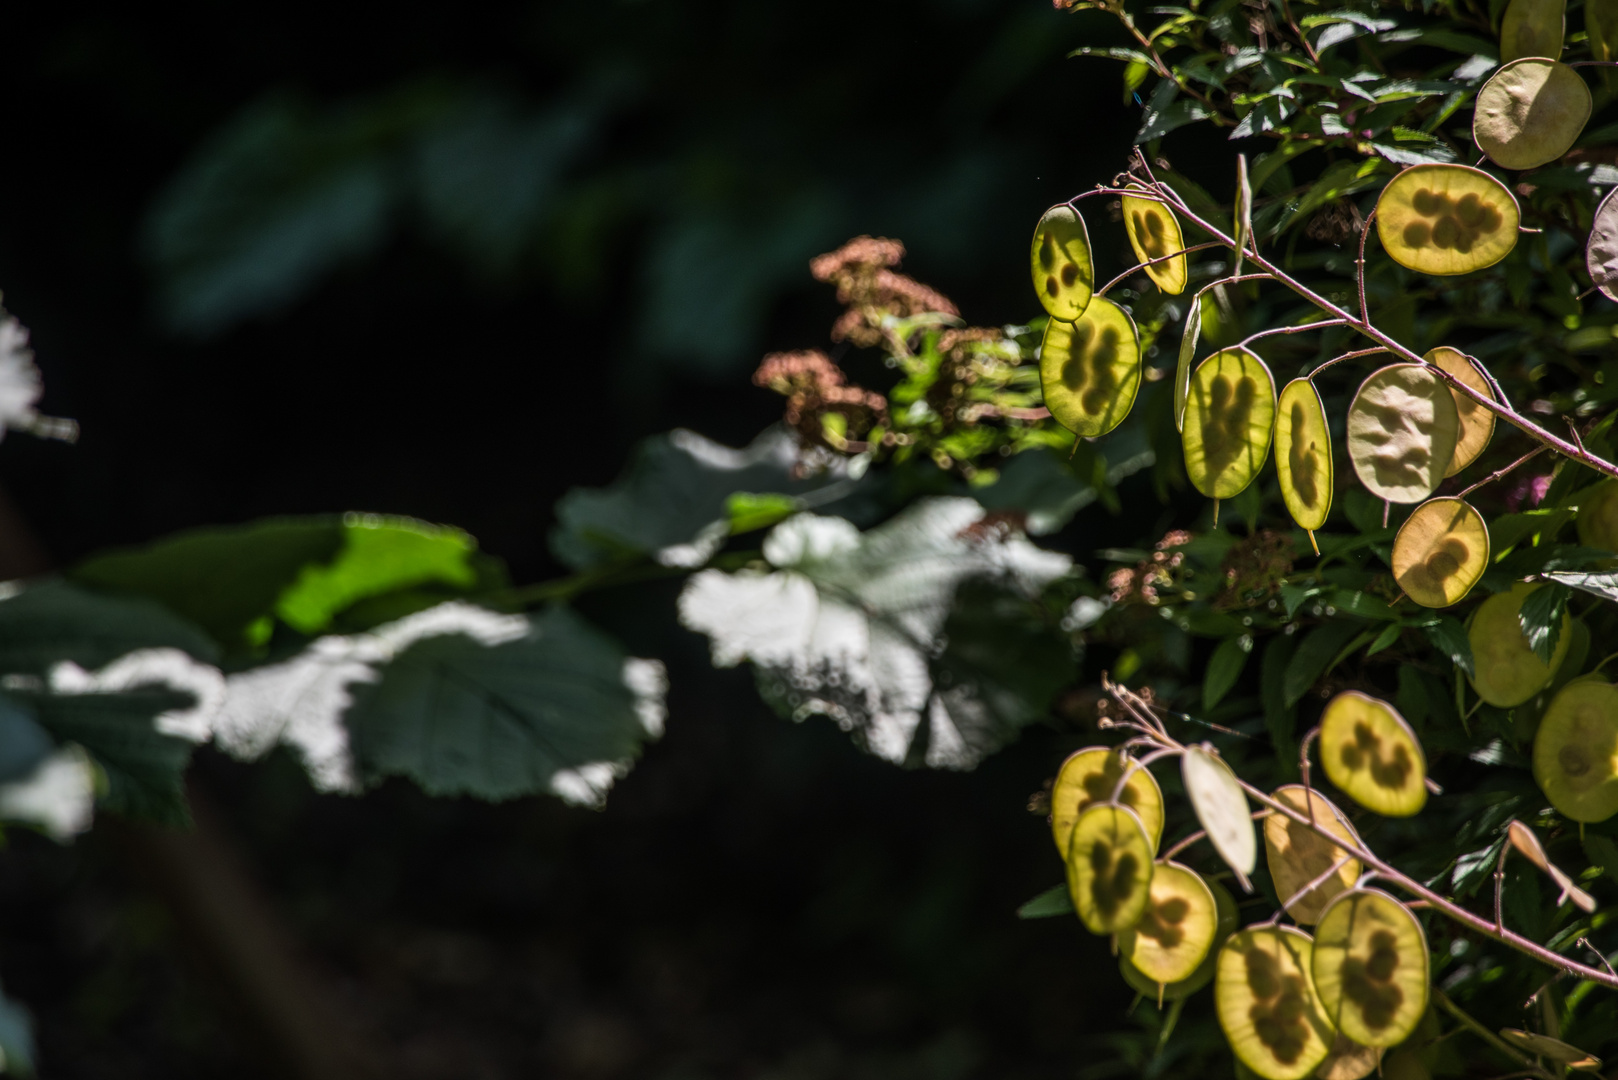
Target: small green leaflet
x: 1224, y: 668
x: 1449, y: 637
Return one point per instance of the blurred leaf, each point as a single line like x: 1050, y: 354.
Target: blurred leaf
x: 17, y: 1037
x: 1048, y: 904
x: 55, y: 621
x: 1156, y: 123
x: 1314, y: 657
x: 1224, y: 668
x: 23, y: 743
x: 1603, y: 853
x: 1280, y: 718
x: 1541, y: 618
x: 1449, y: 637
x: 1040, y: 484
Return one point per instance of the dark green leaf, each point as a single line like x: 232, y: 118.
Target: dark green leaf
x: 1541, y: 618
x: 1280, y: 718
x: 56, y: 621
x: 1602, y: 583
x: 1048, y: 904
x: 1387, y: 637
x: 1603, y: 853
x: 1157, y: 123
x: 1319, y: 648
x: 1224, y: 668
x: 1449, y: 637
x: 17, y: 1037
x: 23, y: 743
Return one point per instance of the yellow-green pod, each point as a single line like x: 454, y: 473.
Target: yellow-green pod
x: 1402, y: 428
x: 1555, y: 1049
x: 1476, y: 422
x: 1176, y: 932
x: 1506, y: 671
x: 1601, y: 23
x: 1229, y: 415
x: 1090, y: 776
x: 1441, y: 551
x: 1109, y: 868
x: 1267, y: 1006
x: 1297, y: 855
x: 1348, y: 1060
x: 1372, y: 755
x: 1228, y: 923
x: 1598, y: 514
x: 1446, y: 219
x: 1090, y: 370
x: 1576, y: 751
x: 1533, y: 28
x: 1370, y: 967
x: 1303, y: 454
x: 1064, y: 273
x: 1530, y: 112
x: 1154, y: 232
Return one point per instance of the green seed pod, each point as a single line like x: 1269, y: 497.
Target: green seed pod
x: 1176, y: 932
x: 1370, y: 967
x: 1090, y: 776
x: 1402, y: 428
x: 1477, y: 422
x: 1533, y: 28
x: 1303, y: 454
x: 1265, y: 997
x: 1154, y: 232
x: 1601, y: 23
x: 1598, y: 514
x: 1446, y: 219
x: 1109, y: 868
x: 1090, y: 370
x: 1228, y: 923
x: 1297, y: 855
x: 1576, y: 751
x: 1506, y: 672
x: 1372, y: 755
x: 1530, y: 112
x: 1441, y: 551
x: 1064, y: 273
x: 1230, y: 412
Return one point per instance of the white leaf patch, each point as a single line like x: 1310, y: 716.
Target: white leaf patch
x: 1221, y: 806
x: 58, y: 796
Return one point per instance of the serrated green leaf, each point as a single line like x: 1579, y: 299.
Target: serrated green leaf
x: 1157, y: 123
x: 1449, y: 637
x: 1541, y: 618
x: 1602, y: 583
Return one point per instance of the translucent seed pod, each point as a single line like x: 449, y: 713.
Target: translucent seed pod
x: 1372, y: 755
x: 1441, y: 552
x: 1154, y: 232
x: 1297, y: 855
x: 1176, y: 931
x: 1228, y: 923
x: 1303, y: 454
x: 1064, y: 272
x: 1090, y: 369
x: 1109, y: 868
x: 1477, y: 422
x: 1553, y: 1049
x: 1598, y: 514
x: 1370, y: 967
x: 1505, y: 669
x: 1402, y: 429
x: 1229, y: 417
x: 1530, y: 112
x: 1348, y: 1060
x: 1576, y: 751
x: 1221, y: 807
x: 1090, y: 776
x: 1533, y: 28
x: 1446, y: 219
x: 1601, y: 23
x: 1267, y: 1006
x: 1601, y: 249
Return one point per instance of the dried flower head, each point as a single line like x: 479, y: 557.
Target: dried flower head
x: 816, y: 389
x: 862, y: 270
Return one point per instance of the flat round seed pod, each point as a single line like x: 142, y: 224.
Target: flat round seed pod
x: 1064, y: 273
x: 1228, y: 923
x: 1090, y: 776
x: 1601, y: 250
x: 1267, y: 1005
x: 1221, y: 807
x: 1446, y: 219
x: 1090, y: 369
x: 1372, y: 755
x: 1370, y: 967
x: 1598, y: 514
x: 1477, y: 423
x: 1601, y: 23
x: 1176, y: 932
x: 1348, y: 1060
x: 1109, y: 868
x: 1555, y: 1049
x: 1533, y: 28
x: 1297, y: 855
x: 1440, y: 552
x: 1303, y: 454
x: 1506, y: 672
x: 1576, y: 751
x: 1402, y: 429
x: 1530, y: 112
x: 1229, y: 414
x: 1154, y: 232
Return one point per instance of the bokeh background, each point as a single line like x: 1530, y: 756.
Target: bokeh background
x: 451, y: 261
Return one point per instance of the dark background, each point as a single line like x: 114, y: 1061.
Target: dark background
x: 758, y: 899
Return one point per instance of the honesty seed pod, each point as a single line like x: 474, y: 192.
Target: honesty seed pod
x: 1176, y: 931
x: 1372, y: 755
x: 1554, y: 1049
x: 1402, y: 429
x: 1576, y: 751
x: 1090, y: 369
x: 1265, y: 997
x: 1154, y: 232
x: 1598, y: 514
x: 1533, y: 28
x: 1109, y: 868
x: 1506, y: 671
x: 1303, y: 454
x: 1370, y: 967
x: 1064, y: 272
x: 1530, y: 112
x: 1476, y: 422
x: 1440, y: 552
x: 1090, y: 776
x: 1348, y: 1060
x: 1297, y: 855
x: 1230, y: 411
x: 1446, y: 219
x: 1523, y: 839
x: 1228, y: 923
x: 1601, y: 249
x: 1221, y: 807
x: 1601, y: 23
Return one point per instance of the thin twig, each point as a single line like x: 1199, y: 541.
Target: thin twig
x: 1304, y: 329
x: 1442, y: 1000
x: 1599, y: 954
x: 1342, y: 861
x: 1365, y: 231
x: 1356, y: 354
x: 1105, y: 289
x: 1498, y: 473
